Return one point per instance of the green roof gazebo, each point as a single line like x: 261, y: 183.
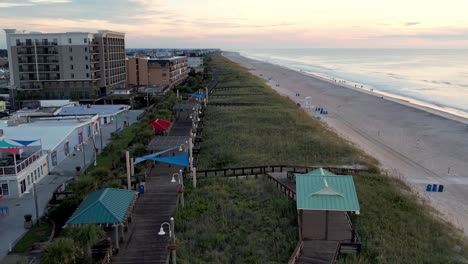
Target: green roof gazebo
x: 323, y: 202
x: 107, y: 206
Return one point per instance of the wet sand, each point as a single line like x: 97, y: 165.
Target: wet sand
x: 421, y: 146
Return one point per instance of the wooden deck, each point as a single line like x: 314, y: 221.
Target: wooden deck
x: 155, y: 206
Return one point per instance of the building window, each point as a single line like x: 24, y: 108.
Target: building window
x: 86, y: 49
x: 70, y: 49
x: 85, y: 40
x: 87, y: 75
x: 42, y: 172
x: 71, y: 66
x: 23, y: 186
x: 86, y: 58
x: 53, y: 158
x: 71, y: 58
x: 66, y: 148
x: 69, y: 41
x: 87, y: 66
x: 89, y: 131
x: 29, y: 179
x: 4, y: 189
x: 35, y: 175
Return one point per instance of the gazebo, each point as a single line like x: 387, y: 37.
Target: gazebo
x: 324, y: 201
x: 108, y: 207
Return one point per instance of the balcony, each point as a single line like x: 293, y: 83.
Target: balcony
x: 38, y: 43
x: 11, y: 167
x: 30, y: 87
x: 40, y: 69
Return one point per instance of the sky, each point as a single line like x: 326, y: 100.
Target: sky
x: 241, y: 24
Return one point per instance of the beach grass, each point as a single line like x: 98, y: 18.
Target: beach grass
x: 236, y: 221
x: 394, y: 225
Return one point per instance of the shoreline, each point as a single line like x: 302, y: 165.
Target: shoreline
x: 410, y: 143
x: 433, y: 108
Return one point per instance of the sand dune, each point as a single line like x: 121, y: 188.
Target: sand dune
x: 422, y: 146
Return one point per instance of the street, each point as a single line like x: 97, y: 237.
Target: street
x: 11, y: 225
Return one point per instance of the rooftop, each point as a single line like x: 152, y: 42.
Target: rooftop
x: 51, y: 131
x: 323, y: 190
x: 105, y: 206
x: 24, y: 32
x: 101, y: 110
x: 167, y: 59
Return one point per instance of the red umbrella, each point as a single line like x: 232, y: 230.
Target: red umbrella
x: 160, y: 124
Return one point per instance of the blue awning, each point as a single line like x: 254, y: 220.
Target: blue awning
x: 197, y: 95
x: 24, y: 142
x: 148, y: 157
x: 181, y: 160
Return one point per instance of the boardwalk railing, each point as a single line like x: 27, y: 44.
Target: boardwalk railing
x: 263, y: 169
x: 290, y: 193
x: 297, y: 253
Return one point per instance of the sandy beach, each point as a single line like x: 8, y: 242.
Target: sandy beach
x: 421, y: 146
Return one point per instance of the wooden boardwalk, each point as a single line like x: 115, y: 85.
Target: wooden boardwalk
x: 155, y: 206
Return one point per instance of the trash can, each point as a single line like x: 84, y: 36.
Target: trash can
x: 434, y: 187
x: 429, y: 187
x: 441, y: 188
x: 141, y: 189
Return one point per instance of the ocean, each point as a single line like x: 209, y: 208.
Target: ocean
x: 436, y: 78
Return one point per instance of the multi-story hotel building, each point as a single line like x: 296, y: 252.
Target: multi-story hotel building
x: 164, y: 72
x: 72, y: 65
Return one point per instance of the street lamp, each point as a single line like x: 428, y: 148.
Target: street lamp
x: 171, y: 236
x: 183, y: 147
x: 180, y: 178
x: 35, y: 201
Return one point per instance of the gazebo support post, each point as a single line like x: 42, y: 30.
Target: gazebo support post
x: 116, y: 229
x: 122, y: 236
x: 299, y: 221
x: 326, y: 224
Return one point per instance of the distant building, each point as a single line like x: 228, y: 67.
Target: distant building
x: 195, y: 62
x: 72, y: 65
x: 163, y: 72
x: 3, y: 62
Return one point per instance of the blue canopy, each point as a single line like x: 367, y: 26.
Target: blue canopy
x: 181, y: 160
x: 24, y: 142
x: 148, y: 157
x: 197, y: 95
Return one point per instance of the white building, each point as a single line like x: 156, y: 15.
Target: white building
x: 107, y: 113
x: 195, y: 62
x: 57, y: 138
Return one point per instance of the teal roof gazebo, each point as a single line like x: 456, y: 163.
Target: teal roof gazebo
x: 106, y: 206
x: 323, y: 190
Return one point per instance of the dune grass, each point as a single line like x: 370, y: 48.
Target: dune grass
x: 236, y: 221
x: 394, y: 225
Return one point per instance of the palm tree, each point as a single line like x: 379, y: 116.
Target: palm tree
x: 85, y: 236
x: 60, y: 251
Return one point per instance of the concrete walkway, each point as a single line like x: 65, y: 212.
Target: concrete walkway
x: 11, y: 225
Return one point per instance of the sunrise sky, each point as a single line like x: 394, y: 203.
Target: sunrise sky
x: 237, y: 24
